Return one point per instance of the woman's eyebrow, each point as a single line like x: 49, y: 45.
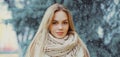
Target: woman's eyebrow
x: 54, y: 20
x: 65, y: 20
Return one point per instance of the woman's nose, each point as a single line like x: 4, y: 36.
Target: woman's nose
x: 60, y: 26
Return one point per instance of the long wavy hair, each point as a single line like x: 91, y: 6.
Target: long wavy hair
x: 39, y: 41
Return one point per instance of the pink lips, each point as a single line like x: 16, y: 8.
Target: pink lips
x: 59, y: 33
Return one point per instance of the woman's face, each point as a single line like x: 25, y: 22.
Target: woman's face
x: 59, y: 25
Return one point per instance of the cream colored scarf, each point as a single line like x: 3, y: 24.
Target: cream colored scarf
x: 65, y: 47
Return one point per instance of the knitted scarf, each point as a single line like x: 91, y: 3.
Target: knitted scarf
x: 65, y: 47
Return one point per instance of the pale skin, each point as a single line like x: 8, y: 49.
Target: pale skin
x: 59, y: 25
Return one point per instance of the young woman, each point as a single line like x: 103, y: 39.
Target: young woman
x: 56, y: 36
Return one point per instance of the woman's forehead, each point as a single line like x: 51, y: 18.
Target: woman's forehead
x: 60, y: 15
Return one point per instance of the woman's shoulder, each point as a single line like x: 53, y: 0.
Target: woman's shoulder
x: 80, y: 52
x: 46, y: 55
x: 83, y: 52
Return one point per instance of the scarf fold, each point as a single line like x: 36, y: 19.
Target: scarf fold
x: 65, y: 47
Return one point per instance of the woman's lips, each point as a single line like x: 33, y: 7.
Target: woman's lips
x: 59, y: 33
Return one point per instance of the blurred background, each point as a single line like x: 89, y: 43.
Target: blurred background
x: 96, y: 21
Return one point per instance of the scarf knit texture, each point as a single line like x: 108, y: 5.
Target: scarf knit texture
x: 68, y: 46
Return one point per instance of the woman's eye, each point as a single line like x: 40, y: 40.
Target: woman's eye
x: 54, y: 22
x: 65, y: 22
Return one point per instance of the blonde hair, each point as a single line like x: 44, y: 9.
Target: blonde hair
x: 39, y: 40
x: 40, y: 37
